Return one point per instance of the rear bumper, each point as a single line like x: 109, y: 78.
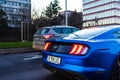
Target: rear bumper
x: 37, y: 47
x: 86, y: 73
x: 82, y: 75
x: 68, y: 74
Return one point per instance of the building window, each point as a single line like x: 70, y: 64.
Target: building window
x: 19, y: 4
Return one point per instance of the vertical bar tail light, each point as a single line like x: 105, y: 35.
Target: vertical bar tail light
x: 47, y: 44
x: 78, y: 49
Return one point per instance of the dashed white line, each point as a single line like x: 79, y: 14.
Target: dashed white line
x: 33, y: 57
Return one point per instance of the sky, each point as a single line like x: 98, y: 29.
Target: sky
x: 40, y: 5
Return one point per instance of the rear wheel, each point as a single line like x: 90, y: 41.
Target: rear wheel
x: 116, y: 70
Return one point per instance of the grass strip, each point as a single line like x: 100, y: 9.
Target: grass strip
x: 4, y: 45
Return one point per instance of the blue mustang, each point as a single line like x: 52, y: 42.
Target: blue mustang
x: 88, y: 54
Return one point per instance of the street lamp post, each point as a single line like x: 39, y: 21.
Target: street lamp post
x: 66, y: 13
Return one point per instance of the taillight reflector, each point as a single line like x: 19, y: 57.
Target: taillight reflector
x: 47, y: 44
x: 47, y: 36
x: 78, y: 49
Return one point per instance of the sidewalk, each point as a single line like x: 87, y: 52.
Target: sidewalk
x: 16, y: 50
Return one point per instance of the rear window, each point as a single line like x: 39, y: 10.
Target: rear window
x: 42, y: 31
x: 87, y: 33
x: 45, y: 30
x: 117, y: 34
x: 38, y: 32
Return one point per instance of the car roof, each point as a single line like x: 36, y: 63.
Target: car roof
x: 59, y: 26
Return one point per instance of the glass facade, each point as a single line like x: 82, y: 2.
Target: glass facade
x: 94, y: 3
x: 104, y: 14
x: 17, y: 11
x: 102, y: 8
x: 101, y: 12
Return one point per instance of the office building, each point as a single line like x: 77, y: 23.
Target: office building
x: 18, y: 11
x: 101, y: 12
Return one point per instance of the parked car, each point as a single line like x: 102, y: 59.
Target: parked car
x: 45, y: 33
x: 90, y: 54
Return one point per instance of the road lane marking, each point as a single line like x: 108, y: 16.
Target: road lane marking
x: 33, y: 57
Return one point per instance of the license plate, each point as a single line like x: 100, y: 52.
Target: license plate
x: 53, y: 59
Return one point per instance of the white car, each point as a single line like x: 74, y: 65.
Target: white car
x: 45, y: 33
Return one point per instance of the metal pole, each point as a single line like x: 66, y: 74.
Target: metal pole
x: 51, y: 10
x: 66, y: 13
x: 28, y: 31
x: 22, y: 31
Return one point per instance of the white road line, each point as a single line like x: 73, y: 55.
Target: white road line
x: 33, y: 57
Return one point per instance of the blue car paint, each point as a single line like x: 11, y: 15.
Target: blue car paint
x: 96, y: 64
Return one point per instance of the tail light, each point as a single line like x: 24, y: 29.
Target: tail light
x: 47, y: 44
x: 47, y: 36
x: 78, y: 49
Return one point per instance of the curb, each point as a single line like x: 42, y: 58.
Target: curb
x: 16, y: 50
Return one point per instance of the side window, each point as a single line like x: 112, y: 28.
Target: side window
x: 66, y: 30
x: 57, y: 30
x: 117, y: 34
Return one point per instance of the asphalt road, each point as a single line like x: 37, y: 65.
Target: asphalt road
x: 25, y: 66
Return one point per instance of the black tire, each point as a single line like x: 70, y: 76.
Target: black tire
x: 116, y: 70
